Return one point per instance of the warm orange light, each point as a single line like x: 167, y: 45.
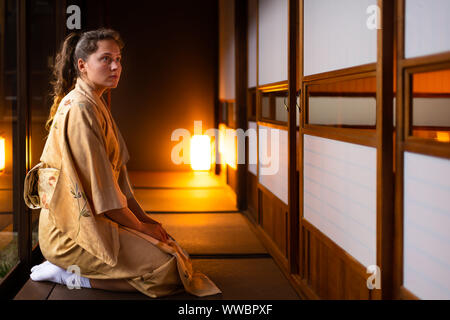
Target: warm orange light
x: 230, y: 149
x: 2, y: 154
x: 222, y: 134
x: 442, y: 136
x: 200, y: 152
x: 274, y: 88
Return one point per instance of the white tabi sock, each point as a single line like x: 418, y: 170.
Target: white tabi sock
x: 47, y: 271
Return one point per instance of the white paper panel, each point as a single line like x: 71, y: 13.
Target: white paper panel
x: 226, y: 50
x: 252, y: 34
x: 427, y: 27
x: 342, y: 110
x: 336, y: 35
x: 426, y: 247
x: 273, y: 161
x: 340, y: 194
x: 433, y: 112
x: 252, y: 149
x: 273, y: 41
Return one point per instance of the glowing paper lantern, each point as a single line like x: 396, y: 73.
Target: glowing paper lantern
x: 200, y: 152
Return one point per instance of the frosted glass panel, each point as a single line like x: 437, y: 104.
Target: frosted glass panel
x: 431, y: 105
x: 273, y: 161
x: 273, y: 44
x: 336, y: 35
x: 265, y: 106
x: 281, y: 113
x: 252, y: 149
x: 343, y: 103
x: 426, y: 246
x: 427, y: 27
x: 342, y: 111
x: 340, y: 194
x: 226, y: 50
x: 252, y: 34
x: 434, y: 112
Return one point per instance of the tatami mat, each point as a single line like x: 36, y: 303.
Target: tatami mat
x: 186, y: 200
x: 182, y: 192
x: 190, y: 179
x: 212, y: 233
x: 245, y: 279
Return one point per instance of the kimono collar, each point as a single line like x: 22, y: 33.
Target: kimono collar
x: 89, y: 92
x: 84, y: 88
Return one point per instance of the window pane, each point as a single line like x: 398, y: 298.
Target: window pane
x: 349, y: 103
x: 273, y: 105
x: 252, y: 104
x: 231, y: 114
x: 224, y: 112
x: 265, y: 106
x: 431, y: 105
x: 8, y: 107
x: 281, y: 113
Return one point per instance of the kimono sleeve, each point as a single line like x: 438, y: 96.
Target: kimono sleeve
x: 86, y: 142
x: 124, y: 183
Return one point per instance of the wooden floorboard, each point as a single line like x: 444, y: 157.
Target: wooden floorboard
x: 33, y: 290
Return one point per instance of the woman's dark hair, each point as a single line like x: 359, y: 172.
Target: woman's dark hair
x: 65, y: 71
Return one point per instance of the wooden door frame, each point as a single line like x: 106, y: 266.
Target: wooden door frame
x: 405, y: 141
x: 381, y: 139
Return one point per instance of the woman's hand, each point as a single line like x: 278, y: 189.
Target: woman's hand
x: 155, y: 230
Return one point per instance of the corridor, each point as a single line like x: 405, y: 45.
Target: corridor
x: 197, y: 209
x: 296, y: 149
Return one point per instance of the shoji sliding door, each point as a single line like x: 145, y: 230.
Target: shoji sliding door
x: 339, y: 148
x: 252, y: 74
x: 422, y: 255
x: 272, y: 125
x: 227, y: 91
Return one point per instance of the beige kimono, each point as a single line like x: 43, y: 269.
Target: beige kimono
x: 83, y: 174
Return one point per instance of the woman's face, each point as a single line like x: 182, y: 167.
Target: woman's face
x: 103, y: 67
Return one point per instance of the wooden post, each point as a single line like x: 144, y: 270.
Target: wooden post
x: 384, y: 136
x: 241, y: 18
x: 293, y: 196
